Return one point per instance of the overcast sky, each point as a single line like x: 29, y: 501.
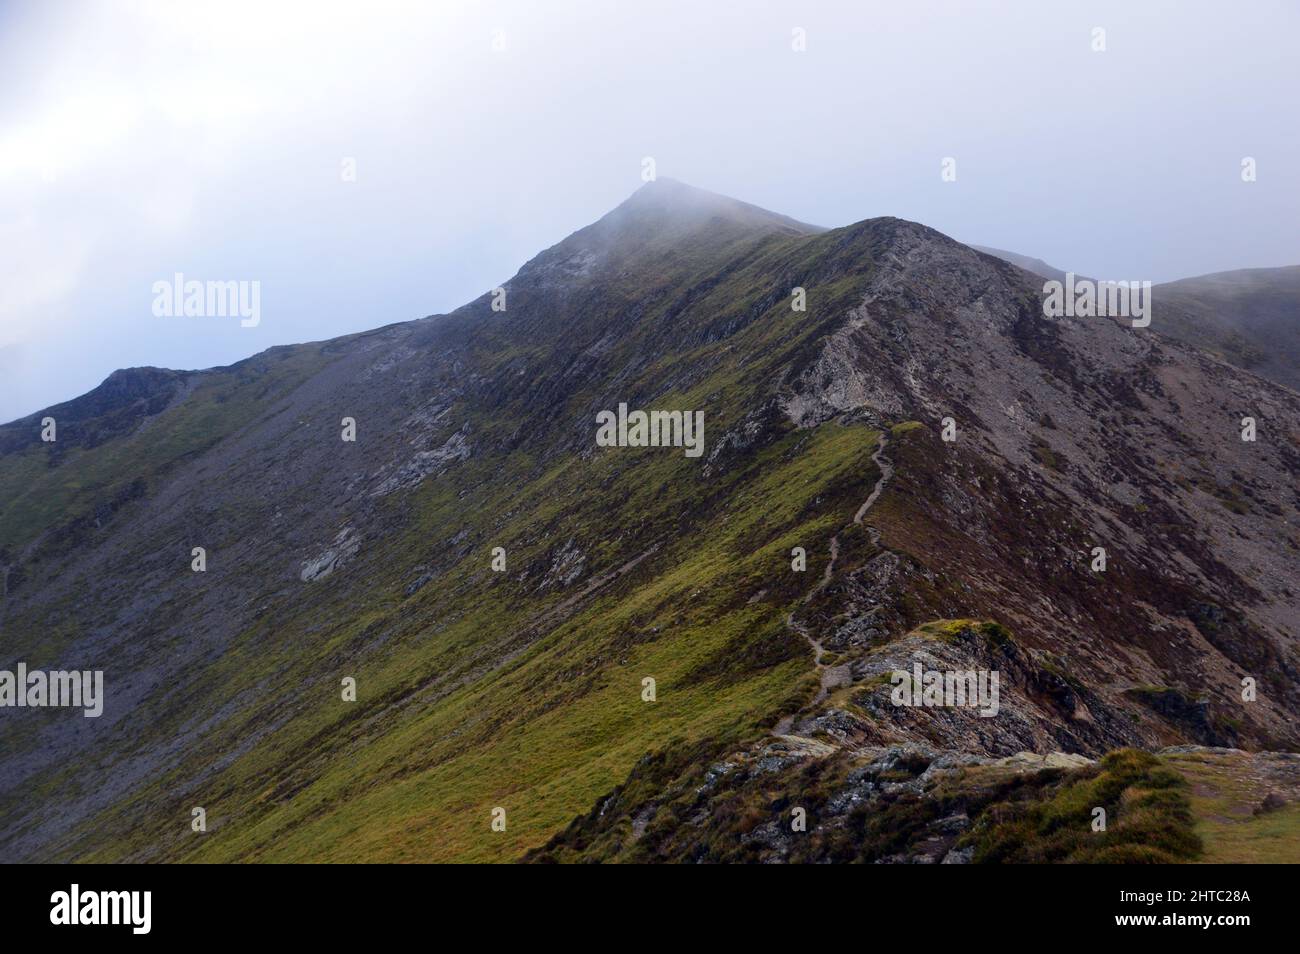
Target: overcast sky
x: 139, y: 140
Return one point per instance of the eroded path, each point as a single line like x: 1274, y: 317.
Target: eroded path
x: 832, y: 677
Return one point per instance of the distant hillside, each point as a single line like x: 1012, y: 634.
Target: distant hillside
x: 1250, y: 317
x: 1035, y: 266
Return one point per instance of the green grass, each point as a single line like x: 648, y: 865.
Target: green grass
x: 948, y: 630
x: 1148, y: 818
x: 1225, y: 796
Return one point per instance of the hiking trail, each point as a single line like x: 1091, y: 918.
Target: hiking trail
x: 832, y: 677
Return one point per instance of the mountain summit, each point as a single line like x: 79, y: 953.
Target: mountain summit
x: 385, y: 597
x: 666, y: 204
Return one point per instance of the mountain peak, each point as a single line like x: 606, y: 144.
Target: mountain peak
x: 662, y: 216
x: 670, y: 202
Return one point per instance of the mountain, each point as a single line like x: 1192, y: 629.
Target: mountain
x: 503, y: 710
x: 1247, y: 317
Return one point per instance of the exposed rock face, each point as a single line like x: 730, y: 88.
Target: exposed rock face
x: 424, y: 464
x: 475, y: 431
x: 854, y: 784
x: 566, y: 566
x: 345, y: 546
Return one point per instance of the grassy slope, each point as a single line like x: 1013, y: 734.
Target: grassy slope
x: 1224, y: 795
x: 546, y: 734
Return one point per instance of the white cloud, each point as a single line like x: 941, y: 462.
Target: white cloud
x: 149, y: 137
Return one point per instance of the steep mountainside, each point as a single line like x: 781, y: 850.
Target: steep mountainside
x: 525, y: 689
